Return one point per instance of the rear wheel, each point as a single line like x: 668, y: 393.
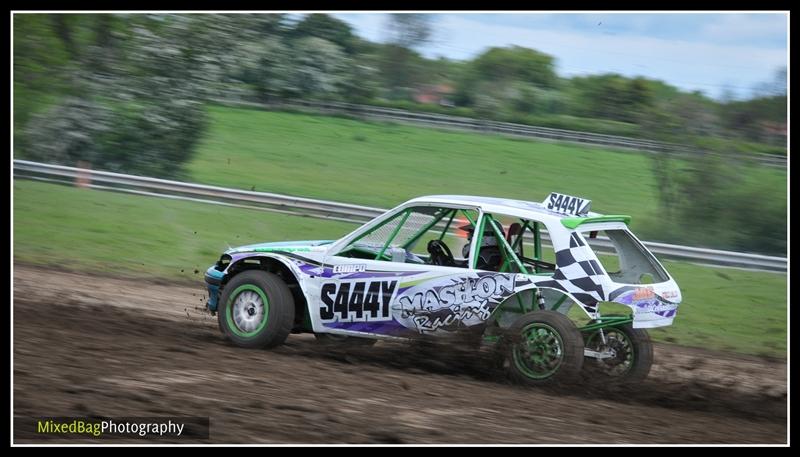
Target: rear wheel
x: 256, y: 310
x: 543, y: 347
x: 631, y: 353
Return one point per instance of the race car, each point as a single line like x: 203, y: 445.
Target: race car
x: 527, y: 279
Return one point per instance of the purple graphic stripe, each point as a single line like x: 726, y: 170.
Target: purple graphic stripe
x: 327, y: 272
x: 380, y: 327
x: 381, y: 274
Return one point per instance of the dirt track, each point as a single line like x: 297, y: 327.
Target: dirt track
x: 98, y: 346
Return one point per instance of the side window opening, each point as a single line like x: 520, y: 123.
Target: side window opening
x: 406, y: 237
x: 450, y: 230
x: 536, y: 234
x: 526, y: 239
x: 623, y: 258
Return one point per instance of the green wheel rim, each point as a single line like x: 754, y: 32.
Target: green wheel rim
x: 540, y: 352
x: 619, y: 341
x: 244, y: 295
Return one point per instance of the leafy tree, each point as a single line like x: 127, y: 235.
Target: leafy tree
x: 264, y: 65
x: 69, y: 132
x: 400, y: 64
x: 360, y: 83
x: 488, y: 102
x: 327, y: 28
x: 318, y: 68
x: 113, y: 66
x: 506, y: 66
x: 401, y: 69
x: 135, y: 105
x: 712, y: 195
x: 774, y: 88
x: 750, y: 117
x: 612, y: 96
x: 410, y: 30
x: 516, y: 63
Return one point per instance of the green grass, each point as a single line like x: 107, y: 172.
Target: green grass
x: 383, y: 165
x: 723, y: 308
x: 124, y: 234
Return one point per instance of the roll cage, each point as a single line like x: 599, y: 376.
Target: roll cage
x: 443, y: 217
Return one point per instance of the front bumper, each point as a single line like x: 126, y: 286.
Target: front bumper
x: 213, y: 279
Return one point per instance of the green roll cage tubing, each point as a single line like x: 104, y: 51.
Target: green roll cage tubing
x: 508, y: 251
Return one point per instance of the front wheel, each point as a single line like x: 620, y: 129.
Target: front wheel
x: 629, y: 353
x: 543, y: 347
x: 256, y: 310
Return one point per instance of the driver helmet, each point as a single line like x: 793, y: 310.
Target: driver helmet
x: 489, y: 239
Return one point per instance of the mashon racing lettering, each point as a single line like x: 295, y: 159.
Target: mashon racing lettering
x: 453, y: 303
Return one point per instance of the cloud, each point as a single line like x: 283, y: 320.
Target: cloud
x: 695, y: 52
x: 753, y: 29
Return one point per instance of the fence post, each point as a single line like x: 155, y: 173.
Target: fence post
x: 84, y: 176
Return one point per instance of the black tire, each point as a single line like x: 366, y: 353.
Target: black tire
x: 553, y: 356
x: 222, y: 329
x: 634, y: 354
x: 269, y: 332
x: 343, y: 340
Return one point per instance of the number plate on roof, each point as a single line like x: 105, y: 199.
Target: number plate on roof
x: 567, y: 204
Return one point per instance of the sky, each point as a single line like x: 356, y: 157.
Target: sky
x: 711, y: 52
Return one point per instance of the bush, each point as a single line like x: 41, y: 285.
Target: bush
x: 151, y: 139
x: 711, y: 201
x: 69, y: 132
x: 742, y: 147
x: 136, y: 105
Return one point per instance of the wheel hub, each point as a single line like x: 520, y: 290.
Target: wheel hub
x: 540, y: 352
x: 248, y: 311
x: 619, y: 350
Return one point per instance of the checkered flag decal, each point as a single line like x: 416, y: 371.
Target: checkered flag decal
x: 577, y: 274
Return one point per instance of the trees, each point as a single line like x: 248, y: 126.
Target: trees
x: 774, y: 88
x: 612, y: 96
x: 307, y: 59
x: 400, y: 65
x: 126, y: 92
x: 401, y: 69
x: 134, y: 104
x: 409, y: 30
x: 317, y: 68
x: 725, y: 206
x: 94, y: 64
x: 516, y: 63
x: 264, y: 65
x: 525, y: 70
x: 755, y: 119
x: 327, y: 28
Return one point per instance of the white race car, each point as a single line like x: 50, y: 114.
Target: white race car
x: 506, y: 273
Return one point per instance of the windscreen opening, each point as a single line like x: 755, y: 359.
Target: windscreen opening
x: 624, y: 259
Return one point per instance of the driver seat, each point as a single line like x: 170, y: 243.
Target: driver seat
x: 514, y: 230
x: 490, y: 258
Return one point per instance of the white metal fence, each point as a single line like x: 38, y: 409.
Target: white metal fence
x: 323, y: 209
